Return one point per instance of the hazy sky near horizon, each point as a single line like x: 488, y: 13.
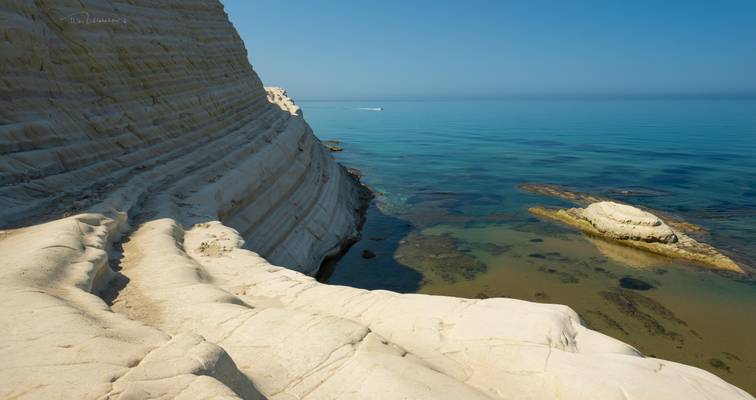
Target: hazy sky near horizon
x: 344, y: 49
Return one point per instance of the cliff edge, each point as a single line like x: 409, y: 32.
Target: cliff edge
x: 149, y: 187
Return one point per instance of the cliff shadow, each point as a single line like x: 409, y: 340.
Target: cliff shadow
x: 369, y: 263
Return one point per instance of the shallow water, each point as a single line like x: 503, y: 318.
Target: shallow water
x: 449, y: 218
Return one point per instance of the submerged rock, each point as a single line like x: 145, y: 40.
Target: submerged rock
x: 560, y: 192
x: 638, y: 191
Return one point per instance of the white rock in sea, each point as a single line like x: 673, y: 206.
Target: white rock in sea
x: 621, y: 221
x: 175, y: 156
x: 633, y: 227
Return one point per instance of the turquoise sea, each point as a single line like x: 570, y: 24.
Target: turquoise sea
x: 449, y: 218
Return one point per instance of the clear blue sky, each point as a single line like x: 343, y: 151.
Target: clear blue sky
x: 383, y: 49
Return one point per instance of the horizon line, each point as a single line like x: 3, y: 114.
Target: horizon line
x: 546, y: 96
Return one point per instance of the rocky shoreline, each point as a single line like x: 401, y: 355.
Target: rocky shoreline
x: 164, y: 220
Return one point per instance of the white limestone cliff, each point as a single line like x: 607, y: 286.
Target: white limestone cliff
x: 150, y: 188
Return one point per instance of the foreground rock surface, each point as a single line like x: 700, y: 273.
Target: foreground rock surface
x: 636, y: 228
x: 143, y: 162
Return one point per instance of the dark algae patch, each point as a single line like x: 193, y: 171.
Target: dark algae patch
x: 438, y: 257
x: 645, y: 310
x: 564, y: 277
x: 541, y: 296
x: 493, y: 249
x: 719, y: 364
x: 598, y: 320
x: 634, y: 284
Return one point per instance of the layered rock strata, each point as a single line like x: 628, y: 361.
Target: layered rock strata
x: 164, y: 97
x: 141, y: 162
